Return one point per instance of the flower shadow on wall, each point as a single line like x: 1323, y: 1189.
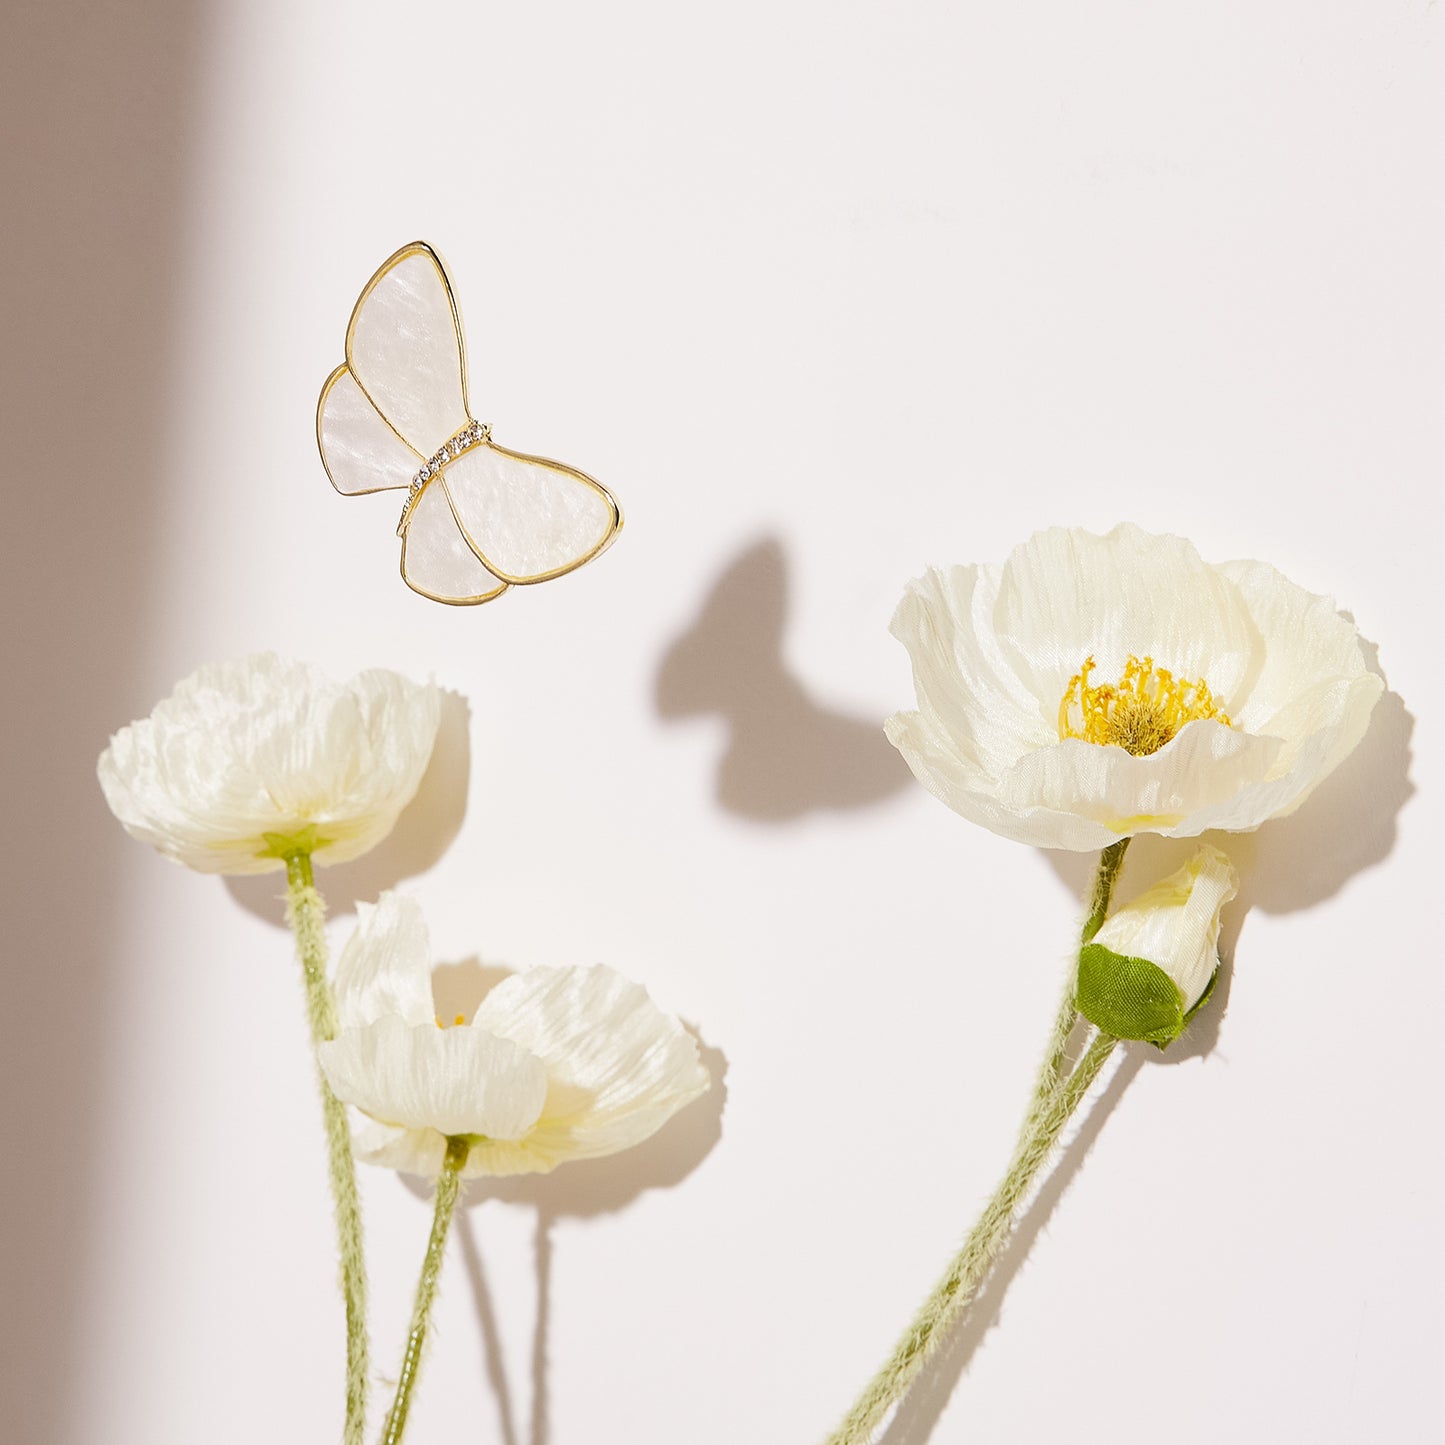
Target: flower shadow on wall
x: 423, y: 832
x: 1348, y: 825
x: 786, y: 755
x: 590, y: 1188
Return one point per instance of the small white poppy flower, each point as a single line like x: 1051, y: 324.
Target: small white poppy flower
x: 557, y: 1063
x: 250, y: 760
x: 1096, y: 687
x: 1154, y: 960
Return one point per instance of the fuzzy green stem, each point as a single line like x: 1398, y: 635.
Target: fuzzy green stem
x: 1054, y: 1101
x: 306, y: 913
x: 1053, y: 1065
x: 970, y: 1266
x: 1111, y: 861
x: 448, y: 1187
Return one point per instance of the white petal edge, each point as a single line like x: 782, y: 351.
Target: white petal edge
x: 937, y: 766
x: 400, y: 719
x: 618, y: 1067
x: 964, y: 684
x: 456, y: 1081
x: 412, y: 1151
x: 385, y: 966
x: 1207, y: 765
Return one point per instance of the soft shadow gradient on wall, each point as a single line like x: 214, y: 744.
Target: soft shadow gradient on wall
x: 96, y: 104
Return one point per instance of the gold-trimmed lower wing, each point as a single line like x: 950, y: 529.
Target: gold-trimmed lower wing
x: 529, y: 519
x: 435, y: 558
x: 359, y: 449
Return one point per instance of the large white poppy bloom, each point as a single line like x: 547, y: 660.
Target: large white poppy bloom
x: 1095, y: 687
x: 251, y: 759
x: 557, y: 1063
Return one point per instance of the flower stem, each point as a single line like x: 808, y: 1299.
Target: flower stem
x: 306, y: 913
x: 1053, y: 1065
x: 1111, y: 861
x: 1054, y: 1101
x: 970, y: 1266
x: 448, y: 1187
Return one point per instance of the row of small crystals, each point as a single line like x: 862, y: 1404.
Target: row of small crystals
x: 469, y: 436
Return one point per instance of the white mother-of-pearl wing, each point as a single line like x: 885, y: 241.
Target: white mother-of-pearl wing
x: 360, y: 452
x: 527, y: 518
x: 404, y: 345
x: 435, y: 558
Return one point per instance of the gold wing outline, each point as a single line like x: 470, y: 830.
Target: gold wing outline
x: 492, y: 480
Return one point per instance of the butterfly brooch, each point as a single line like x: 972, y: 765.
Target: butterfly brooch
x: 478, y: 518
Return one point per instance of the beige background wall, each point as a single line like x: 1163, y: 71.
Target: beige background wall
x: 826, y: 293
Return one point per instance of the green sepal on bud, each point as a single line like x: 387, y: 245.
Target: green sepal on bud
x: 1130, y: 998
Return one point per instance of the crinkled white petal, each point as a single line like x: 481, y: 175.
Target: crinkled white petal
x: 261, y: 746
x: 958, y: 782
x: 944, y: 622
x: 1077, y: 795
x: 419, y: 1076
x: 385, y: 967
x: 1206, y: 764
x: 412, y: 1151
x: 1306, y: 645
x: 1175, y: 924
x: 1305, y: 761
x: 1313, y: 689
x: 618, y: 1067
x: 1067, y: 594
x: 993, y: 650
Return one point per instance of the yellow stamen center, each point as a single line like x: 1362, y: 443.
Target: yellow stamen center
x: 1139, y: 713
x: 460, y: 1019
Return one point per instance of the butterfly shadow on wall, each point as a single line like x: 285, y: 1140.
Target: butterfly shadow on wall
x: 786, y: 754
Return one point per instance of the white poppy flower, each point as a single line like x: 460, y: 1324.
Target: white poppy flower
x: 557, y: 1064
x: 1095, y: 687
x: 253, y: 759
x: 1154, y: 960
